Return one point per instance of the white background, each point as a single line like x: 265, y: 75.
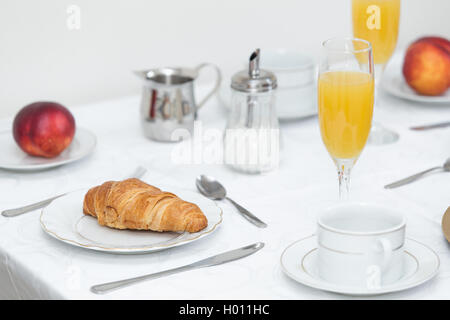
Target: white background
x: 41, y: 59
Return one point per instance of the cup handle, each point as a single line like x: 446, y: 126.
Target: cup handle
x: 387, y: 252
x: 217, y: 84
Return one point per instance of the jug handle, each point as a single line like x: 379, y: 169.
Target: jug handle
x: 217, y: 84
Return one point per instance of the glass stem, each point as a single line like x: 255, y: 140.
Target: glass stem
x: 344, y: 169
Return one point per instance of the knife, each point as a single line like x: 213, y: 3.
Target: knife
x: 432, y: 126
x: 138, y: 173
x: 208, y: 262
x: 31, y: 207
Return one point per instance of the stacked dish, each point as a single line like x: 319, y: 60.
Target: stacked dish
x: 296, y: 78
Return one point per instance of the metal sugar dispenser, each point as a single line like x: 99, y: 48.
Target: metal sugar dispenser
x: 251, y: 140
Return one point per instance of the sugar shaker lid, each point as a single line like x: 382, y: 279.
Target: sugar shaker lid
x: 254, y: 79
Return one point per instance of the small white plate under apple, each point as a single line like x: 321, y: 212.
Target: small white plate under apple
x: 44, y: 135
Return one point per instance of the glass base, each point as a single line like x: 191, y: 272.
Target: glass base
x: 380, y: 135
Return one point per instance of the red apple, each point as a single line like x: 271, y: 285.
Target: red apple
x: 427, y: 66
x: 44, y: 129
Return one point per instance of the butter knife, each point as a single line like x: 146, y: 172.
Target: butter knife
x: 431, y: 126
x: 139, y: 172
x: 208, y: 262
x: 34, y: 206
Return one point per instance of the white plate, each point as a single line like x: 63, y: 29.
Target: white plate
x: 394, y: 83
x: 64, y: 220
x: 13, y: 158
x: 298, y: 261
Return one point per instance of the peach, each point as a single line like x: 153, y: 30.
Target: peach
x: 426, y: 67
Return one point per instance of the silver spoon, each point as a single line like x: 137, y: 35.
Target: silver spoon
x: 445, y: 167
x: 211, y: 188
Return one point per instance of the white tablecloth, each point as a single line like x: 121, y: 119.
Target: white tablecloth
x: 33, y: 265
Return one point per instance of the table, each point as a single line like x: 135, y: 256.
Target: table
x: 36, y: 266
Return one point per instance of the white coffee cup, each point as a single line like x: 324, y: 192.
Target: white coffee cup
x: 360, y: 245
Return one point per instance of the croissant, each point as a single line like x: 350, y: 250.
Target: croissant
x: 133, y: 204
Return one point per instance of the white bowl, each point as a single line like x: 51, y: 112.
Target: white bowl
x: 293, y: 69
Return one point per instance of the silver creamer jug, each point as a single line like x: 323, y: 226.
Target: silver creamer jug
x: 168, y: 101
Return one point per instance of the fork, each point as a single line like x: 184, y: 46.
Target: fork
x: 138, y: 173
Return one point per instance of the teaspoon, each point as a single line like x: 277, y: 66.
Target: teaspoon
x: 212, y: 189
x: 445, y: 167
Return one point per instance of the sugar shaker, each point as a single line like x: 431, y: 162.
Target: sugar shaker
x: 251, y: 140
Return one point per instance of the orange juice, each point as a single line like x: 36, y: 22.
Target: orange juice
x: 345, y: 111
x: 377, y: 21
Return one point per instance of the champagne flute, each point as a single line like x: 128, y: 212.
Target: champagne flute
x: 377, y: 22
x: 345, y: 98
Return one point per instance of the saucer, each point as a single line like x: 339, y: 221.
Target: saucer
x: 298, y: 261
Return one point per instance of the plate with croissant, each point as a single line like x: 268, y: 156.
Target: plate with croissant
x: 130, y: 216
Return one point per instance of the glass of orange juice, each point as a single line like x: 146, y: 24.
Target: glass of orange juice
x: 345, y: 99
x: 377, y: 21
